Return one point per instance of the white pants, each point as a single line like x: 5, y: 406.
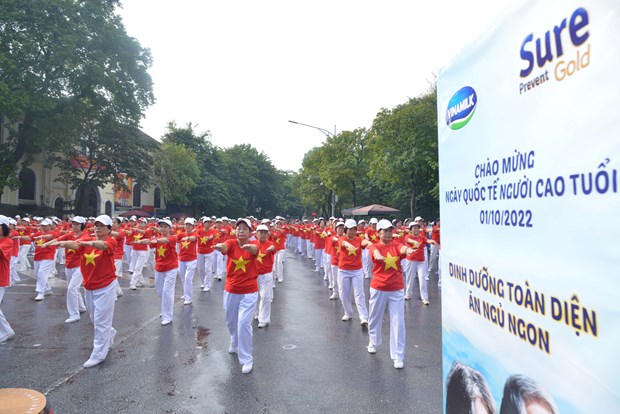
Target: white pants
x: 165, y: 283
x: 355, y: 279
x: 310, y: 248
x: 60, y: 255
x: 24, y: 264
x: 333, y: 278
x: 5, y: 328
x: 100, y: 306
x: 13, y: 270
x: 205, y: 268
x: 75, y: 301
x: 278, y: 266
x: 369, y: 266
x: 42, y: 271
x: 299, y: 242
x: 138, y: 260
x: 327, y: 266
x: 318, y: 257
x: 395, y: 301
x: 365, y: 261
x: 220, y: 266
x: 418, y: 268
x: 239, y: 309
x: 186, y: 275
x: 433, y: 263
x: 265, y: 291
x: 127, y: 248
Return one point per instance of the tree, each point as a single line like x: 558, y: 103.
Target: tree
x: 177, y: 172
x: 61, y: 62
x: 210, y: 195
x: 309, y: 185
x: 404, y: 144
x: 106, y: 154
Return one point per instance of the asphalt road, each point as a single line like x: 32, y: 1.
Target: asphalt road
x: 306, y: 361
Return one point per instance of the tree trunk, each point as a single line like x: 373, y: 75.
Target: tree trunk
x: 412, y: 201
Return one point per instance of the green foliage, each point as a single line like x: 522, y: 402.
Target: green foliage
x: 177, y: 172
x: 64, y: 64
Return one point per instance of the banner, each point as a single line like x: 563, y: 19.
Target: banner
x: 122, y: 197
x: 529, y: 153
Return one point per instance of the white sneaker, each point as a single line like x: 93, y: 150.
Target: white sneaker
x: 133, y: 287
x: 202, y: 286
x: 364, y: 322
x: 262, y: 324
x: 247, y: 368
x: 92, y: 362
x: 112, y: 336
x: 187, y: 302
x: 232, y: 349
x: 372, y: 349
x: 398, y: 364
x: 40, y: 296
x: 333, y: 296
x: 407, y: 297
x: 425, y: 302
x: 164, y: 323
x: 82, y: 310
x: 71, y: 320
x: 280, y: 280
x: 6, y: 338
x: 48, y: 292
x: 346, y: 318
x: 206, y: 289
x: 183, y: 297
x: 255, y: 317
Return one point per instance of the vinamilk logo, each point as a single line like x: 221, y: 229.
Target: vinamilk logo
x: 461, y: 108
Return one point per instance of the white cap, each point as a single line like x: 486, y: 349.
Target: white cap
x: 361, y: 221
x: 190, y: 220
x: 243, y: 220
x: 225, y: 218
x: 206, y: 219
x: 134, y: 218
x: 142, y: 219
x: 218, y: 220
x: 373, y: 221
x: 413, y: 223
x: 26, y: 219
x: 18, y: 216
x: 384, y: 224
x: 262, y: 227
x: 79, y: 219
x: 349, y: 224
x: 46, y: 222
x: 418, y: 218
x: 104, y: 219
x: 4, y: 220
x: 12, y: 221
x: 265, y: 221
x: 165, y: 221
x: 339, y: 223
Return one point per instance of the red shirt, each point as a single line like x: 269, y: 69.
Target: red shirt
x: 241, y: 272
x: 6, y: 246
x: 15, y: 251
x: 26, y: 231
x: 187, y: 249
x: 73, y: 258
x: 371, y: 235
x: 120, y: 245
x: 205, y: 240
x: 97, y: 266
x: 436, y: 234
x: 264, y: 259
x: 43, y: 253
x: 350, y: 259
x: 319, y: 241
x: 278, y: 238
x: 166, y: 255
x: 422, y: 241
x: 387, y: 275
x: 136, y: 236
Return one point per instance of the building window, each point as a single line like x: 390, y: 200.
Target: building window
x: 27, y: 184
x: 137, y: 195
x: 157, y: 201
x: 108, y: 208
x: 59, y: 204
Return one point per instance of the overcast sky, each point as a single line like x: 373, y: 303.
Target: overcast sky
x: 243, y: 69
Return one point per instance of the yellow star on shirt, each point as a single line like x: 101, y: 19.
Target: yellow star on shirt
x: 323, y: 235
x: 390, y: 261
x: 70, y: 251
x: 240, y: 264
x: 90, y: 258
x: 21, y: 232
x: 337, y: 249
x: 374, y: 237
x: 161, y: 252
x: 352, y: 252
x: 184, y: 244
x: 278, y: 240
x: 259, y: 257
x: 39, y: 242
x: 203, y: 240
x: 137, y: 237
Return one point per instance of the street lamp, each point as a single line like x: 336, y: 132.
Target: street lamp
x: 333, y: 197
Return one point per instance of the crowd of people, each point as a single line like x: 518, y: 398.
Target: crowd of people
x: 248, y: 253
